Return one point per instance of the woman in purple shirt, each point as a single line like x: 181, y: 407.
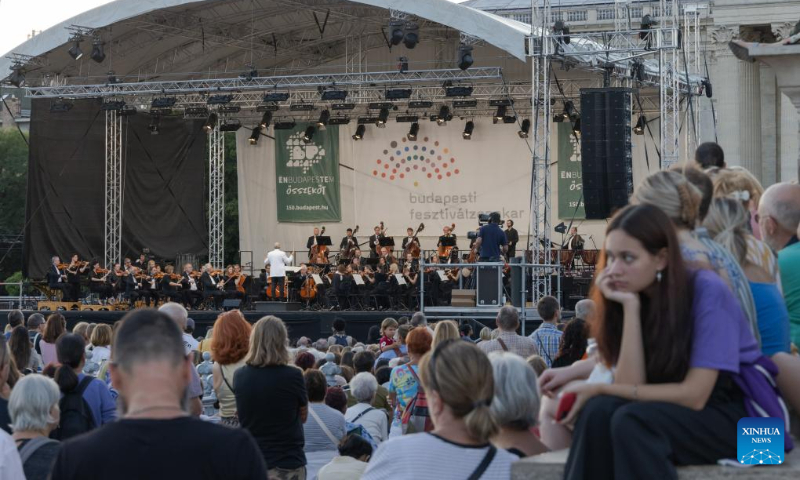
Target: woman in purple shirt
x: 70, y: 349
x: 681, y: 346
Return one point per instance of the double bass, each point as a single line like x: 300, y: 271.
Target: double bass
x: 413, y: 246
x: 319, y: 253
x: 445, y: 251
x: 348, y: 250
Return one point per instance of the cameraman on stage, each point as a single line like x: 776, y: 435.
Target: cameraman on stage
x: 491, y: 243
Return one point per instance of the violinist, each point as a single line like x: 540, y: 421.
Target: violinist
x: 395, y: 289
x: 374, y: 242
x: 342, y: 285
x: 212, y: 286
x: 192, y: 296
x: 412, y: 279
x: 132, y: 286
x: 241, y: 280
x: 170, y: 283
x: 387, y: 256
x: 150, y: 284
x: 230, y: 281
x: 98, y: 282
x: 381, y: 284
x: 411, y: 263
x: 115, y: 279
x: 348, y: 240
x: 56, y: 278
x: 141, y: 262
x: 75, y: 269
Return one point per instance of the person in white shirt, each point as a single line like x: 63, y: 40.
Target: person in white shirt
x: 277, y: 261
x: 354, y: 452
x: 363, y: 387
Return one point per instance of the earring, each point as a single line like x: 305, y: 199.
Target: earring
x: 658, y: 276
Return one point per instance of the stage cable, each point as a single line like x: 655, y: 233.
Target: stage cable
x: 713, y: 113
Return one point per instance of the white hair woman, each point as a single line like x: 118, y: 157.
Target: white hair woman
x: 515, y: 405
x: 363, y: 388
x: 33, y: 408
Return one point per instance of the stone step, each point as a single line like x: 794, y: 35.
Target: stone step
x: 550, y: 466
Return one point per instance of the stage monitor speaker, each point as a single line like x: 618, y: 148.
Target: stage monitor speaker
x: 231, y: 303
x: 606, y: 161
x: 275, y: 307
x: 490, y: 287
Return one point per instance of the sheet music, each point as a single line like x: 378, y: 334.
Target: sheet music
x: 358, y: 279
x: 442, y: 275
x: 317, y: 278
x: 400, y: 279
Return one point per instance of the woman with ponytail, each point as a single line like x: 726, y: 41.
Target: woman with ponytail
x: 69, y: 376
x: 686, y: 365
x: 458, y: 382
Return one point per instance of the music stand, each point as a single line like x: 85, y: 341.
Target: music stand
x: 386, y: 242
x: 324, y: 241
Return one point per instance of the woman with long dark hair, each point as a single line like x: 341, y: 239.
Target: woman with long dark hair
x: 683, y: 355
x: 26, y: 359
x: 573, y: 343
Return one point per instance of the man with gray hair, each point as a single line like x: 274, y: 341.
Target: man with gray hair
x: 34, y: 412
x: 584, y: 309
x: 363, y: 387
x: 155, y: 438
x: 178, y: 314
x: 508, y: 340
x: 779, y: 219
x: 419, y: 320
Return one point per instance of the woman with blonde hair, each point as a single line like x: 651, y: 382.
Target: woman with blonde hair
x: 485, y: 334
x: 228, y: 349
x: 101, y: 343
x: 458, y: 382
x: 271, y: 399
x: 739, y: 184
x: 445, y: 330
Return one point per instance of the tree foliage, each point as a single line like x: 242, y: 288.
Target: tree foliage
x: 13, y: 178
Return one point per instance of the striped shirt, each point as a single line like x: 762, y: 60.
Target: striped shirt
x: 316, y: 439
x: 425, y: 455
x: 547, y: 338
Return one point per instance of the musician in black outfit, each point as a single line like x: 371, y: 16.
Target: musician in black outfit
x: 74, y: 273
x: 229, y: 281
x: 342, y: 284
x: 346, y: 240
x: 311, y: 240
x: 448, y: 233
x: 98, y: 282
x: 150, y: 286
x: 410, y: 238
x: 141, y: 262
x: 512, y: 237
x: 169, y: 287
x: 132, y: 286
x: 374, y: 242
x: 211, y: 286
x: 56, y: 277
x: 192, y: 296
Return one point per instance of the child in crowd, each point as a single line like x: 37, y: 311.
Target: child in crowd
x: 387, y: 341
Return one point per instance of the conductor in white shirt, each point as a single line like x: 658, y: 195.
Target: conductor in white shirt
x: 277, y: 261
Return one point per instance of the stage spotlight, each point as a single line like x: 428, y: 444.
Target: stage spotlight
x: 309, y: 135
x: 98, y: 55
x: 250, y: 74
x: 499, y: 114
x: 17, y: 77
x: 266, y: 119
x: 576, y: 127
x: 444, y: 115
x: 75, y: 52
x: 154, y: 125
x: 638, y: 129
x: 211, y: 122
x: 560, y: 228
x: 383, y: 116
x: 324, y: 116
x: 526, y: 127
x: 255, y: 135
x: 411, y: 37
x: 360, y: 130
x: 413, y: 131
x: 707, y: 86
x: 230, y: 125
x: 465, y: 56
x: 562, y: 29
x: 396, y: 32
x: 468, y: 128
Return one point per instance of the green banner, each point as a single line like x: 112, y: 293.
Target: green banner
x: 570, y: 183
x: 307, y: 175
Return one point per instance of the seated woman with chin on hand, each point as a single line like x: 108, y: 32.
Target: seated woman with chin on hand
x: 684, y: 361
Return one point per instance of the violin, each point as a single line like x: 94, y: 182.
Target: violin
x: 319, y: 253
x: 413, y: 246
x: 101, y: 271
x: 62, y: 266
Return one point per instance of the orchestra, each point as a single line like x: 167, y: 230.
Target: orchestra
x: 345, y: 278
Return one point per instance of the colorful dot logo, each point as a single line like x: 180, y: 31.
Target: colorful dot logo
x: 416, y: 162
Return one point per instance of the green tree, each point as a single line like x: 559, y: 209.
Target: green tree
x: 13, y: 178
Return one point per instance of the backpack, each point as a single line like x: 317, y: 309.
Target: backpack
x: 341, y: 340
x: 31, y: 446
x: 416, y: 418
x: 76, y: 416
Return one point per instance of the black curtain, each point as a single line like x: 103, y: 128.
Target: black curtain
x: 163, y: 186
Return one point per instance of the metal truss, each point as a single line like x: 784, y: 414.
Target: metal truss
x: 668, y: 61
x: 540, y: 183
x: 114, y: 189
x: 232, y: 85
x: 692, y: 46
x: 216, y: 197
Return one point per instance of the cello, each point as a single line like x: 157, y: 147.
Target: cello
x: 309, y: 289
x: 413, y: 246
x: 319, y: 253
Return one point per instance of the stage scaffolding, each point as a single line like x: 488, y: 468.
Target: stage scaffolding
x: 113, y: 189
x: 216, y: 198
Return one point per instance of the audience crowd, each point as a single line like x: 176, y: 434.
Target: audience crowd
x: 692, y: 324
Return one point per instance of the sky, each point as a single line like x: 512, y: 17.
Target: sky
x: 19, y: 17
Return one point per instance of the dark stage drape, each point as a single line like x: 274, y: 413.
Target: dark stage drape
x: 163, y: 186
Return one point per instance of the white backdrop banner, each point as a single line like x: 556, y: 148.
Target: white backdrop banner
x: 439, y: 179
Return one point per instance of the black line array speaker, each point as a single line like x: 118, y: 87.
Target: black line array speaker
x: 606, y: 161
